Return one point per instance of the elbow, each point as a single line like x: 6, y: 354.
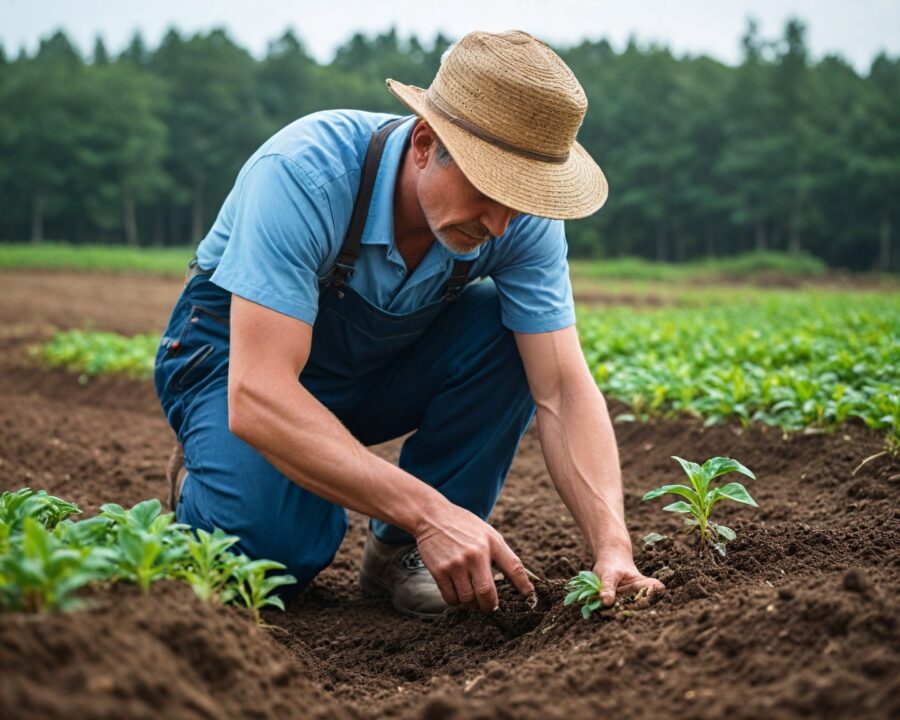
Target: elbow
x: 241, y: 411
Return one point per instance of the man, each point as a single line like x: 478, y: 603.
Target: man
x: 347, y: 255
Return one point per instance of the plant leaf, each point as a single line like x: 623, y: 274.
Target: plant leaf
x: 682, y: 490
x: 726, y: 532
x: 731, y: 491
x: 717, y: 466
x: 680, y: 506
x: 693, y: 471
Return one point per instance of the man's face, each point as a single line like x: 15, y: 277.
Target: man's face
x: 460, y: 217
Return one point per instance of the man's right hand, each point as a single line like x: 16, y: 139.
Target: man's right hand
x: 459, y: 549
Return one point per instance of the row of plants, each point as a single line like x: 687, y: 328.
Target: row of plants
x: 46, y: 557
x: 92, y: 353
x: 793, y: 360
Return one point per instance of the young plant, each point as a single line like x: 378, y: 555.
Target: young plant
x: 97, y: 531
x: 24, y: 503
x: 42, y: 573
x: 254, y: 587
x: 585, y: 590
x: 149, y: 546
x: 699, y: 498
x: 210, y: 563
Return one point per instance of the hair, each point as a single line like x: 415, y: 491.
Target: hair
x: 441, y: 155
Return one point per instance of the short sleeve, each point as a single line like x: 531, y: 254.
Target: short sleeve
x: 532, y: 277
x: 280, y: 237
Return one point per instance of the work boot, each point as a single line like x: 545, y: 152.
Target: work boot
x: 397, y: 572
x: 175, y: 474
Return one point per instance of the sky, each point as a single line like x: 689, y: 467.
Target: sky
x: 855, y: 29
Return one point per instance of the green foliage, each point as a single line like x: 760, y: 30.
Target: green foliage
x: 42, y: 573
x: 100, y: 353
x: 106, y: 258
x: 781, y: 152
x: 254, y: 585
x: 211, y: 566
x: 793, y: 360
x: 742, y: 266
x: 149, y: 545
x: 700, y: 498
x: 18, y: 505
x: 45, y: 558
x: 585, y: 589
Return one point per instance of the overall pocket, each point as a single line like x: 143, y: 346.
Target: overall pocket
x: 194, y: 349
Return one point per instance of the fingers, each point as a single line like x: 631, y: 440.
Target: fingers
x: 448, y: 590
x: 610, y: 583
x: 464, y: 590
x: 617, y: 583
x: 511, y: 566
x: 651, y: 585
x: 483, y: 585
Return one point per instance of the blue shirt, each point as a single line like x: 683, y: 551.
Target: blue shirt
x: 281, y: 227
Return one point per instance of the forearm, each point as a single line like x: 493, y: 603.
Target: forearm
x: 306, y: 442
x: 580, y: 449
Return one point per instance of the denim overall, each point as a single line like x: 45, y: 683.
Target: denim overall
x: 449, y: 372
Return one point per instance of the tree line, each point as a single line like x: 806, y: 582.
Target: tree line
x: 780, y: 152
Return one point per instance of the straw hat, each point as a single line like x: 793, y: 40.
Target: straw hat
x: 507, y: 108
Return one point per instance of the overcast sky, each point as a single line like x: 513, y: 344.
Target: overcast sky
x: 856, y: 29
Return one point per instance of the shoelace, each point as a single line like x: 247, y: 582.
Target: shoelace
x: 412, y: 560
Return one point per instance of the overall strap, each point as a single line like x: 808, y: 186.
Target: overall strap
x: 457, y: 280
x: 349, y: 252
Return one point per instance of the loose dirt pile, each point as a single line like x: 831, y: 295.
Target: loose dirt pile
x: 800, y: 619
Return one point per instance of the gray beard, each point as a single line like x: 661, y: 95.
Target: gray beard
x: 454, y: 247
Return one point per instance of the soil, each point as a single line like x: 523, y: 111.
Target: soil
x: 800, y: 619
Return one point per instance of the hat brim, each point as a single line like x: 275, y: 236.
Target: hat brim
x: 562, y: 191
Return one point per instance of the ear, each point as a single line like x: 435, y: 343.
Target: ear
x: 422, y: 144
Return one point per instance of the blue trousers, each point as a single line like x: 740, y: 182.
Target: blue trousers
x: 459, y: 386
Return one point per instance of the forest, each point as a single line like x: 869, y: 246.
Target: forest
x: 781, y: 152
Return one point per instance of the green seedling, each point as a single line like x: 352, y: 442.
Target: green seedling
x: 699, y: 498
x: 42, y: 573
x: 210, y: 564
x: 149, y: 546
x: 94, y: 532
x: 254, y: 587
x: 585, y: 590
x: 24, y: 503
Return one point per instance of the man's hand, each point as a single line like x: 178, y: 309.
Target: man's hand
x: 459, y: 548
x: 619, y: 575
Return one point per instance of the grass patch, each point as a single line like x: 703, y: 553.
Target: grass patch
x: 105, y: 258
x: 744, y: 266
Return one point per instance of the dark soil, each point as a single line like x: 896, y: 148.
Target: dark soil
x: 801, y: 619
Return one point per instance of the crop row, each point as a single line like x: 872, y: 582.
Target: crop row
x: 794, y: 360
x: 790, y: 360
x: 46, y: 557
x: 99, y: 353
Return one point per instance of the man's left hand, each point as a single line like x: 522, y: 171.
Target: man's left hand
x: 620, y: 577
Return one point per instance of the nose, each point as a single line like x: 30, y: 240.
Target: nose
x: 496, y: 218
